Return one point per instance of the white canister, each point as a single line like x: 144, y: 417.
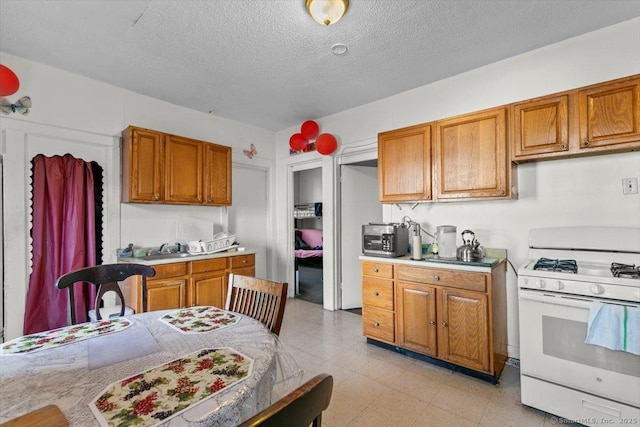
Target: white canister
x: 446, y: 241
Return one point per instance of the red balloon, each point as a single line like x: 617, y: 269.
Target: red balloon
x: 9, y: 82
x: 297, y: 141
x: 326, y: 143
x: 309, y: 129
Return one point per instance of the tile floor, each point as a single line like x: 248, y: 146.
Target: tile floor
x: 375, y: 387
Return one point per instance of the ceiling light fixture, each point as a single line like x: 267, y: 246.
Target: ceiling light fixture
x: 327, y: 12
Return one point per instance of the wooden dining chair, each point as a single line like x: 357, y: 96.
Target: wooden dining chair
x: 48, y: 416
x: 106, y: 278
x: 300, y: 408
x: 261, y: 299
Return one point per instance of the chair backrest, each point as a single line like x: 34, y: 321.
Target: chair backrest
x: 300, y: 408
x: 106, y: 278
x: 261, y: 299
x: 49, y: 416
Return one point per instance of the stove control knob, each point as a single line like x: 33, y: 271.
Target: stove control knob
x: 558, y: 285
x: 597, y: 289
x: 540, y: 283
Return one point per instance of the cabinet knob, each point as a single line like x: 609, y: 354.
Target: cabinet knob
x: 563, y: 146
x: 376, y: 294
x: 208, y: 200
x: 200, y: 199
x: 244, y: 261
x: 432, y: 322
x: 376, y: 324
x: 156, y: 197
x: 436, y: 277
x: 375, y: 270
x: 444, y: 324
x: 586, y: 143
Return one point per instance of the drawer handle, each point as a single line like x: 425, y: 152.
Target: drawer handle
x: 376, y: 294
x: 376, y: 324
x: 432, y: 322
x: 436, y: 277
x: 244, y: 261
x: 444, y: 324
x: 375, y: 270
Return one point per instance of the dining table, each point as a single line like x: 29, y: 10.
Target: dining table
x: 197, y: 366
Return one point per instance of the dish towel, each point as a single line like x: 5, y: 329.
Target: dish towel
x: 616, y: 327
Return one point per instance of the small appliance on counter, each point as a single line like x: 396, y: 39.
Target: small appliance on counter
x: 446, y: 238
x: 470, y: 249
x: 388, y: 240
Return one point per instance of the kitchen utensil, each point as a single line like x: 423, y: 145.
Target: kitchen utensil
x: 471, y: 249
x: 446, y: 235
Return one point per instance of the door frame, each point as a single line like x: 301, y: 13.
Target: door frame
x: 367, y: 151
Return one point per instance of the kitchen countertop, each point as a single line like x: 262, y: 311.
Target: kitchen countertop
x: 495, y: 257
x: 170, y: 260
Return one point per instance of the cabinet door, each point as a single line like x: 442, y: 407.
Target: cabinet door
x: 184, y: 160
x: 142, y: 165
x: 404, y: 164
x: 610, y: 114
x: 217, y: 175
x: 540, y: 127
x: 463, y: 336
x: 416, y: 317
x: 208, y: 289
x: 165, y: 294
x: 471, y: 156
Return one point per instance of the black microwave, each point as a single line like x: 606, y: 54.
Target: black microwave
x: 387, y: 240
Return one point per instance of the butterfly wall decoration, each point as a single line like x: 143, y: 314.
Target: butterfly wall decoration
x: 21, y: 106
x: 251, y: 152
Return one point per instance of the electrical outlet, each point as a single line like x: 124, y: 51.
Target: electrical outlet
x: 630, y: 186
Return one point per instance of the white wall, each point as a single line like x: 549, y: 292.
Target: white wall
x: 585, y: 191
x: 64, y: 101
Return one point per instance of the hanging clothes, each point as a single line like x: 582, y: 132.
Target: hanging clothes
x: 64, y: 239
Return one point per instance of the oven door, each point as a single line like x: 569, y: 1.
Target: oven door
x: 553, y: 328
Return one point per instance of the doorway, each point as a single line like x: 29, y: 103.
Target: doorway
x: 308, y: 233
x: 359, y: 204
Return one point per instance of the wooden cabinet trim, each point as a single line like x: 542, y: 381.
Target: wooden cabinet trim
x: 440, y: 277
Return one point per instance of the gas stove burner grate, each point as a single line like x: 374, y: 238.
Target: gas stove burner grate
x: 625, y: 270
x: 562, y: 265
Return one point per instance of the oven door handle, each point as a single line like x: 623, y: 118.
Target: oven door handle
x: 566, y: 300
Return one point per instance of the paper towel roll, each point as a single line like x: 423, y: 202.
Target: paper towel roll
x: 416, y: 247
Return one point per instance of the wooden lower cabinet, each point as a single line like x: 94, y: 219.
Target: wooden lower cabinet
x: 188, y: 284
x: 452, y: 315
x: 463, y: 336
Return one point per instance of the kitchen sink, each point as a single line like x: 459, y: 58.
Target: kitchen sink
x: 156, y: 257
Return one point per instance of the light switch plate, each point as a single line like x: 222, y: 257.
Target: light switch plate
x: 630, y: 186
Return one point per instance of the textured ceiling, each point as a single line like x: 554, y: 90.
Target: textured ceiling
x: 267, y: 63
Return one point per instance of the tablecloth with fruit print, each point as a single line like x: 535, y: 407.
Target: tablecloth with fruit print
x: 160, y: 393
x: 65, y: 335
x: 199, y: 319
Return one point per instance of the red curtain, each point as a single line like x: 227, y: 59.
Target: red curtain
x: 64, y: 239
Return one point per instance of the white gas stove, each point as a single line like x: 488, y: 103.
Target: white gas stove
x: 570, y: 270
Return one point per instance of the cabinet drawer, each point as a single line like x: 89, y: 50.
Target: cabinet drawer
x: 450, y: 278
x: 242, y: 261
x: 378, y: 324
x: 208, y: 265
x: 377, y: 292
x: 169, y: 270
x: 377, y: 269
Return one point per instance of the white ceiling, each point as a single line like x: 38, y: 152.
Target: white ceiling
x: 267, y: 63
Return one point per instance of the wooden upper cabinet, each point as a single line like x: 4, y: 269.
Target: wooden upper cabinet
x: 610, y: 113
x: 540, y: 126
x: 472, y: 160
x: 142, y: 165
x: 404, y: 160
x: 170, y: 169
x: 184, y: 163
x: 217, y: 174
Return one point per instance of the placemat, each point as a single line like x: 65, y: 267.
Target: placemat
x: 159, y: 394
x: 62, y: 336
x: 199, y: 319
x: 111, y: 349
